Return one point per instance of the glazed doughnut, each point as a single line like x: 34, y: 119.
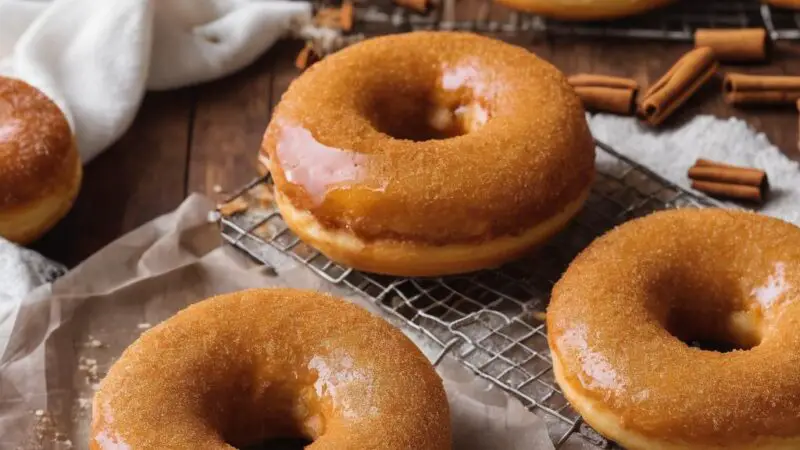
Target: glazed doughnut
x: 40, y: 170
x: 585, y: 9
x: 428, y: 153
x: 620, y: 317
x: 791, y: 4
x: 238, y: 369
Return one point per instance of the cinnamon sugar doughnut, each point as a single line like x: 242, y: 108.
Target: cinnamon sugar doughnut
x: 428, y: 153
x: 585, y: 9
x: 238, y: 369
x: 40, y: 170
x: 791, y: 4
x: 619, y: 319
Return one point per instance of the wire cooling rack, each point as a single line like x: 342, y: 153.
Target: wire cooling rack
x: 492, y: 321
x: 676, y: 22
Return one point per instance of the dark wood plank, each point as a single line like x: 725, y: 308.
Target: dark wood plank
x: 284, y: 70
x: 138, y: 178
x: 230, y: 118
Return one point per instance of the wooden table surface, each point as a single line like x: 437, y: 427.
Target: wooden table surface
x: 199, y: 138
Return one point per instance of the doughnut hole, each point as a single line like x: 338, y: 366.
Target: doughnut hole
x: 281, y: 444
x: 425, y: 111
x: 706, y: 312
x: 259, y: 414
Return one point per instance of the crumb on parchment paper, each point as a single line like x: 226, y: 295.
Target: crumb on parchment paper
x: 92, y: 342
x: 46, y: 434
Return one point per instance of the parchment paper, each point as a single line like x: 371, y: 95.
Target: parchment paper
x: 62, y: 338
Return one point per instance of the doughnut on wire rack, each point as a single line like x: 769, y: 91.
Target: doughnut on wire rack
x: 673, y: 23
x: 491, y: 321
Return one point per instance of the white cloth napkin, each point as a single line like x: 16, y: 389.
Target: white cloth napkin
x: 96, y: 58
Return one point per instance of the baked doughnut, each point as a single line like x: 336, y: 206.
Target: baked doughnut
x: 238, y: 369
x: 620, y: 317
x: 40, y: 170
x: 428, y: 153
x: 585, y: 9
x: 791, y: 4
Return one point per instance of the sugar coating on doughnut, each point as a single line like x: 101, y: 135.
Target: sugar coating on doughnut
x: 619, y: 319
x: 435, y: 137
x: 240, y: 368
x: 36, y: 145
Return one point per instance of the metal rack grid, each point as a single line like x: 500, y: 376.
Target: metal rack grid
x: 676, y: 22
x: 492, y: 321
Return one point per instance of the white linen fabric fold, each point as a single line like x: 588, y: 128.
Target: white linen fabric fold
x: 96, y: 58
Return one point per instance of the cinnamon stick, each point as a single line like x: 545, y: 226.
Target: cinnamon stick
x: 725, y: 180
x: 594, y: 80
x: 688, y: 75
x: 732, y: 191
x: 725, y: 174
x: 741, y: 89
x: 235, y: 206
x: 702, y: 162
x: 605, y: 99
x: 306, y: 57
x: 605, y: 93
x: 735, y: 45
x: 346, y: 15
x: 416, y: 5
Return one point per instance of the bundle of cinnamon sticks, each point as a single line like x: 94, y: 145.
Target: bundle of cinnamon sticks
x: 606, y: 93
x: 731, y: 182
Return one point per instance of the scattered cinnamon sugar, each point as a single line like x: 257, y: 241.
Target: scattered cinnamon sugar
x: 235, y: 206
x: 88, y: 367
x: 263, y: 194
x: 46, y: 434
x: 82, y: 407
x: 91, y: 342
x: 266, y: 230
x: 304, y: 251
